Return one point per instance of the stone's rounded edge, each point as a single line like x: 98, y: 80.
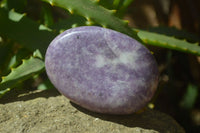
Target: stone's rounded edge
x: 56, y: 114
x: 77, y: 29
x: 90, y: 29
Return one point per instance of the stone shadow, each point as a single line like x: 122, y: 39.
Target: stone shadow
x: 148, y: 119
x: 26, y: 94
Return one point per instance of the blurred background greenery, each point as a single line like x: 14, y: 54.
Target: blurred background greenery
x: 28, y: 26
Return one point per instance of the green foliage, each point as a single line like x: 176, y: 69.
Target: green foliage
x: 94, y: 14
x: 169, y: 42
x: 172, y: 31
x: 72, y: 21
x: 47, y: 15
x: 23, y: 32
x: 190, y: 97
x: 27, y: 69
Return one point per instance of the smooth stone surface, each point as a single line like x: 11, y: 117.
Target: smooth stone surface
x: 33, y: 113
x: 102, y: 70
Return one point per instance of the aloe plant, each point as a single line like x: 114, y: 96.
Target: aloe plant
x: 23, y: 30
x: 28, y: 68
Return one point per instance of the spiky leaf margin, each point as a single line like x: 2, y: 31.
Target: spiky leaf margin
x: 27, y: 69
x: 25, y: 31
x: 94, y: 13
x: 169, y: 42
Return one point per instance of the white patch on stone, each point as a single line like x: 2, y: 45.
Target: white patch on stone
x: 100, y: 61
x: 124, y: 58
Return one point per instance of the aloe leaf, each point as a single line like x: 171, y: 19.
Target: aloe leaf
x: 116, y: 3
x: 122, y: 9
x: 172, y: 31
x: 47, y: 15
x: 18, y: 5
x: 190, y: 97
x: 108, y: 4
x: 2, y: 92
x: 126, y: 3
x: 93, y: 12
x: 5, y: 51
x: 28, y: 68
x: 45, y: 85
x: 168, y: 42
x: 16, y: 59
x: 72, y: 21
x: 3, y: 3
x: 122, y: 4
x: 25, y: 31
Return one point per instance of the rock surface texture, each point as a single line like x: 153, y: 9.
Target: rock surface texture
x: 102, y: 70
x: 55, y: 114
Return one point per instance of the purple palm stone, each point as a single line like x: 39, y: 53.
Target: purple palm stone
x: 102, y: 70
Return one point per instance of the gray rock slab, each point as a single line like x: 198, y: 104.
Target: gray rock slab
x: 56, y: 114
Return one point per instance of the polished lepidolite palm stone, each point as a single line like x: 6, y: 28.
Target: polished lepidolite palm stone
x: 102, y: 70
